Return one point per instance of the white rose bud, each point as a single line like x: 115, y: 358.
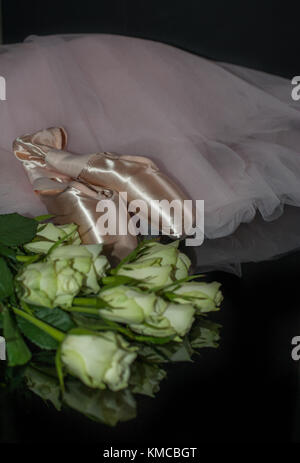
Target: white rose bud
x: 86, y: 259
x: 180, y: 316
x: 176, y: 320
x: 158, y: 265
x: 128, y: 305
x: 206, y: 297
x: 99, y: 360
x: 50, y: 285
x: 146, y: 313
x: 68, y: 270
x: 48, y: 234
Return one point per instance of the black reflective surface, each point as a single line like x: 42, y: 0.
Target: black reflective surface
x: 245, y: 391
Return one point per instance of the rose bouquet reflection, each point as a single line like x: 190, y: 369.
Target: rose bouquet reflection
x: 111, y: 407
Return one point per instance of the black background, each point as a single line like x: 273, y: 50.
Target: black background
x: 247, y: 390
x: 262, y: 34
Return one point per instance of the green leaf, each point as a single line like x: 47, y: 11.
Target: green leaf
x: 145, y: 378
x: 182, y: 352
x: 172, y: 352
x: 205, y: 334
x: 54, y: 317
x: 5, y: 251
x: 100, y: 405
x: 36, y: 335
x: 177, y: 352
x: 14, y: 378
x: 16, y: 229
x: 6, y: 280
x: 28, y: 259
x: 44, y: 358
x: 152, y: 354
x: 44, y: 386
x: 17, y: 351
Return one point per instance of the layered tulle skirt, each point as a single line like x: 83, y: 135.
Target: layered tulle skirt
x: 227, y: 135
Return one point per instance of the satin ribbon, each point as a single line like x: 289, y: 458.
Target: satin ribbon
x: 71, y: 186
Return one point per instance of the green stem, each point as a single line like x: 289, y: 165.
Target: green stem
x: 89, y: 302
x: 82, y: 310
x: 26, y: 307
x: 56, y: 334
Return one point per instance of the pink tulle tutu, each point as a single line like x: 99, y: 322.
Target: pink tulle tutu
x: 223, y: 133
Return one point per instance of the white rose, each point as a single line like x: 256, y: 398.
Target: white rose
x: 206, y: 297
x: 48, y: 234
x: 99, y: 360
x: 146, y: 313
x: 157, y: 265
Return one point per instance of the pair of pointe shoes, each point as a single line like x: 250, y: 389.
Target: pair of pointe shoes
x: 72, y: 186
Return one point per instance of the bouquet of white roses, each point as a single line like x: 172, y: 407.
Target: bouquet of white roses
x: 91, y: 336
